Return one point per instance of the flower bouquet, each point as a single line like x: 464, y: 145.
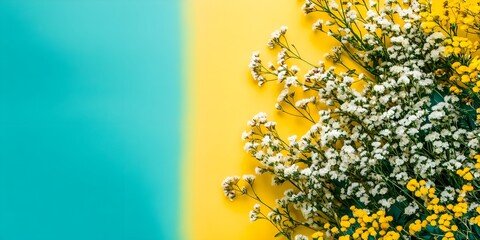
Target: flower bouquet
x: 393, y: 149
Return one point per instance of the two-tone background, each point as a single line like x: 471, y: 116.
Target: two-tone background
x: 120, y: 118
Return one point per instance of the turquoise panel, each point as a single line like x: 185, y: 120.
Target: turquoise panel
x: 89, y: 119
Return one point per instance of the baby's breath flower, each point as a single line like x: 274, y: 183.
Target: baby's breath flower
x: 301, y: 237
x: 249, y: 179
x: 276, y: 35
x: 318, y: 25
x: 228, y: 187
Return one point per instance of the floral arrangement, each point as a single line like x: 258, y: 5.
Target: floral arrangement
x: 394, y: 152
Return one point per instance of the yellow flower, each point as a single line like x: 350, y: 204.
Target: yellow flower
x: 449, y: 234
x: 467, y: 188
x: 317, y: 235
x: 468, y: 176
x: 463, y: 69
x: 412, y: 185
x: 465, y: 173
x: 345, y: 224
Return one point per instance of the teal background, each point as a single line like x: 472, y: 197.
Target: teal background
x: 89, y: 119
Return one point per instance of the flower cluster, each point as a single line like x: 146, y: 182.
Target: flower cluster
x: 397, y: 157
x: 362, y: 225
x: 451, y: 218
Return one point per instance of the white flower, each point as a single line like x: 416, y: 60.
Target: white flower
x: 289, y: 171
x: 227, y: 186
x: 301, y: 237
x: 351, y: 15
x: 270, y: 124
x: 306, y: 172
x: 379, y: 88
x: 294, y: 69
x: 333, y: 5
x: 292, y: 80
x: 253, y: 215
x: 281, y: 97
x: 318, y: 25
x: 275, y: 36
x: 292, y: 139
x: 259, y: 155
x: 411, y: 208
x: 248, y: 178
x: 266, y: 140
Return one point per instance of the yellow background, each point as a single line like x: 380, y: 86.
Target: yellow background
x: 222, y: 97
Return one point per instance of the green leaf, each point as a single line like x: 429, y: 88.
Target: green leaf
x: 476, y: 229
x: 426, y: 236
x: 471, y: 236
